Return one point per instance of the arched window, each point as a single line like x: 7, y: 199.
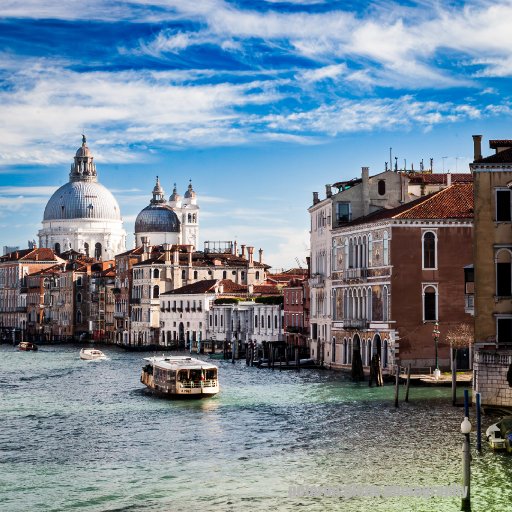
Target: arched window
x: 97, y: 251
x: 79, y: 298
x: 385, y: 248
x: 224, y: 275
x: 156, y: 291
x: 257, y: 275
x: 262, y: 322
x: 370, y: 250
x: 503, y: 273
x: 86, y: 249
x: 429, y: 250
x: 156, y: 273
x: 183, y: 274
x: 215, y: 320
x: 255, y: 320
x: 78, y: 317
x: 195, y: 274
x: 381, y: 187
x: 429, y: 303
x: 369, y: 305
x: 346, y: 253
x: 268, y: 322
x: 57, y: 249
x: 189, y: 217
x: 275, y: 321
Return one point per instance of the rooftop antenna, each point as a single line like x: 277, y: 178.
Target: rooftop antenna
x: 396, y: 163
x: 422, y: 167
x: 386, y: 166
x: 390, y: 157
x: 431, y: 165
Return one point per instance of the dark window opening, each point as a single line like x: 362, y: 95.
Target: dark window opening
x: 429, y: 250
x: 503, y: 205
x: 503, y: 279
x: 430, y: 304
x: 504, y: 331
x: 381, y: 187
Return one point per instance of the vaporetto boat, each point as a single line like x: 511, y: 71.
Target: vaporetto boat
x: 180, y: 377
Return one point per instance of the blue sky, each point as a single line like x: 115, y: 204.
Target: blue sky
x: 259, y: 103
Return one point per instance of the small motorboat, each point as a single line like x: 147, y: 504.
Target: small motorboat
x: 92, y: 354
x: 27, y: 345
x: 499, y: 435
x: 493, y: 435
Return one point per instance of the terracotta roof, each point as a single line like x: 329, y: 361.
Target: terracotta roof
x: 204, y: 286
x: 500, y: 143
x: 454, y: 202
x: 266, y: 289
x: 440, y: 178
x: 40, y: 254
x: 502, y: 157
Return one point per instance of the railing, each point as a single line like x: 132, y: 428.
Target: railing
x: 484, y: 357
x: 355, y: 323
x: 198, y: 384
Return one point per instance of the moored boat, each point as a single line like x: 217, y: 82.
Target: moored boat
x: 180, y: 377
x: 27, y: 345
x: 91, y: 354
x: 499, y: 435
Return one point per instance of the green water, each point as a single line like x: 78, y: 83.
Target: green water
x: 77, y: 435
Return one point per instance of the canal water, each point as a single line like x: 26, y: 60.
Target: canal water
x: 78, y: 435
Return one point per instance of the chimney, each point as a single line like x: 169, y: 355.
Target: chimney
x: 250, y: 289
x: 250, y: 251
x: 242, y: 252
x: 448, y: 179
x: 261, y: 255
x: 144, y: 242
x: 477, y: 145
x: 167, y: 253
x: 365, y: 189
x: 315, y: 198
x: 189, y: 251
x: 176, y: 257
x: 235, y: 247
x: 328, y: 191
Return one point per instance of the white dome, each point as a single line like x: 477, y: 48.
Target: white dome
x: 82, y: 200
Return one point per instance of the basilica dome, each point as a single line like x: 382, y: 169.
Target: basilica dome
x: 82, y: 200
x: 157, y: 217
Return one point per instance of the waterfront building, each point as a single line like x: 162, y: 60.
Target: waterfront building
x: 83, y: 215
x: 492, y: 272
x: 296, y: 314
x: 14, y: 269
x: 354, y: 199
x: 238, y: 324
x: 168, y: 267
x: 398, y: 272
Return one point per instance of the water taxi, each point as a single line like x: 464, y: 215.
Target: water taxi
x: 92, y: 354
x: 27, y: 345
x: 180, y: 377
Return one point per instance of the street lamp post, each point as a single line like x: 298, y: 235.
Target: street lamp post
x: 465, y: 428
x: 435, y: 333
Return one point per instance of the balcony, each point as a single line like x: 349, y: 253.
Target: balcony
x: 355, y: 273
x: 355, y: 323
x: 317, y: 281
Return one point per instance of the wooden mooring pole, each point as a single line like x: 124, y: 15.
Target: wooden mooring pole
x: 408, y: 383
x: 478, y: 424
x: 397, y: 378
x: 454, y: 376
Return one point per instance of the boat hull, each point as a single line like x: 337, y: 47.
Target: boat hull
x: 26, y: 346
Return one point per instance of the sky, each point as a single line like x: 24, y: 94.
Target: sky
x: 259, y: 103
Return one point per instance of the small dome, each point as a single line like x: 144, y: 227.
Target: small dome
x: 190, y: 193
x: 157, y: 218
x: 82, y: 200
x: 83, y: 150
x: 174, y: 196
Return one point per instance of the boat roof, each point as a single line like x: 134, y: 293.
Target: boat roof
x: 179, y: 362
